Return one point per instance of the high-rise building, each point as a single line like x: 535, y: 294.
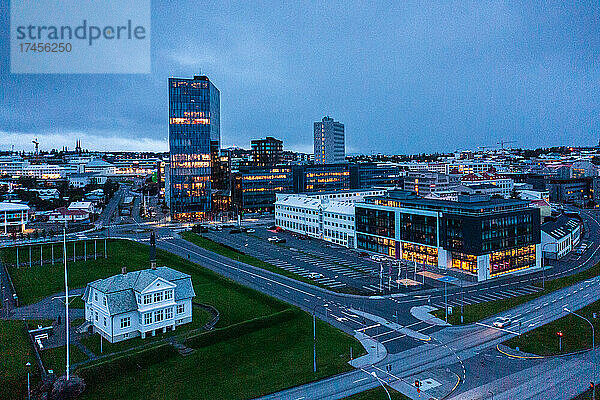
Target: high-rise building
x: 267, y: 152
x: 194, y: 135
x: 330, y: 145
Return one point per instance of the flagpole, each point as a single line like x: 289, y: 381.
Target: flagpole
x: 66, y: 296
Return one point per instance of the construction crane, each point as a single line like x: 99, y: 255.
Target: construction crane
x: 503, y: 142
x: 37, y: 145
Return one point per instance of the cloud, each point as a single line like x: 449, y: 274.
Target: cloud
x: 97, y: 141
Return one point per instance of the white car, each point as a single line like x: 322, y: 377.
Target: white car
x: 502, y: 322
x: 273, y: 239
x: 315, y: 275
x: 250, y: 230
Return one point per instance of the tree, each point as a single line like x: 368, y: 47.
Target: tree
x: 514, y: 194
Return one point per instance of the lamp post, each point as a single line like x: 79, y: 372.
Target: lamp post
x: 315, y: 334
x: 593, y: 349
x: 66, y: 296
x: 28, y: 364
x: 374, y: 374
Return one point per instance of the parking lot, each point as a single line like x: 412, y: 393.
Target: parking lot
x: 330, y: 265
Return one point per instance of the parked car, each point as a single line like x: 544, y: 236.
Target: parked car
x: 281, y: 240
x: 273, y: 239
x: 315, y: 275
x: 502, y: 322
x: 363, y: 254
x: 250, y: 230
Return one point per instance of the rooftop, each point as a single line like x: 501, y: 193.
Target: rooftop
x: 560, y: 227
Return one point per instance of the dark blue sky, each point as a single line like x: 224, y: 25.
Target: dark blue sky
x: 403, y: 78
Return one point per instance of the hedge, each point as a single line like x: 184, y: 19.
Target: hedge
x: 118, y: 366
x: 242, y: 328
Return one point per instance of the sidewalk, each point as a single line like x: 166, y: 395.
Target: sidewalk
x: 375, y: 351
x: 392, y: 325
x: 423, y: 313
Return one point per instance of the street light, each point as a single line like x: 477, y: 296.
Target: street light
x: 593, y: 349
x: 315, y: 334
x: 28, y: 364
x: 374, y: 374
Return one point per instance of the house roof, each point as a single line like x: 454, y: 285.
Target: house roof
x: 561, y: 227
x: 8, y: 206
x: 482, y: 176
x: 66, y: 211
x: 120, y: 289
x: 98, y: 163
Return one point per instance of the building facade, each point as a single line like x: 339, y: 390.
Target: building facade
x: 139, y: 303
x: 194, y: 133
x: 329, y: 141
x: 560, y: 236
x: 13, y: 217
x: 475, y: 235
x: 267, y: 152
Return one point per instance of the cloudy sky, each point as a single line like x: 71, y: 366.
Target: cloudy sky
x: 403, y: 77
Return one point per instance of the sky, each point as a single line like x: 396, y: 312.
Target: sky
x: 404, y: 77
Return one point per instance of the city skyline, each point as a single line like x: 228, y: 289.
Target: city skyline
x: 507, y: 72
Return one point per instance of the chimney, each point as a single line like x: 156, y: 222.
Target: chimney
x: 152, y: 250
x: 123, y: 270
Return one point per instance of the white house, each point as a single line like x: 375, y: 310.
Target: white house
x: 13, y: 217
x: 63, y: 214
x: 560, y: 237
x: 86, y: 206
x: 139, y: 303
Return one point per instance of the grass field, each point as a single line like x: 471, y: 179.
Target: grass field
x: 479, y: 311
x: 249, y: 365
x: 258, y: 363
x: 55, y: 358
x: 577, y: 334
x: 16, y: 352
x: 378, y: 394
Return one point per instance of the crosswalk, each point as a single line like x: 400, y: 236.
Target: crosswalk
x: 482, y: 296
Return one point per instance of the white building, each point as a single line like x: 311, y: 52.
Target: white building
x: 86, y: 206
x: 63, y: 214
x: 328, y: 216
x: 100, y: 166
x: 560, y: 237
x: 13, y: 217
x: 329, y: 142
x: 87, y: 178
x: 139, y: 303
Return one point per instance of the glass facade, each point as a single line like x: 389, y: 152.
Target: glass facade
x: 465, y: 262
x: 421, y: 254
x: 194, y: 130
x: 376, y: 244
x: 506, y: 231
x: 418, y: 229
x: 511, y: 260
x: 375, y: 222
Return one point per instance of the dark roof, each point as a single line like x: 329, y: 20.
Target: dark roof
x: 562, y: 226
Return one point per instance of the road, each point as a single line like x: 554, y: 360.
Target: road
x: 413, y: 346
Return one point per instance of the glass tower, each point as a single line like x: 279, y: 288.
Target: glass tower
x: 194, y: 135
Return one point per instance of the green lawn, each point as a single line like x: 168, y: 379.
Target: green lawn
x: 378, y: 394
x: 16, y: 352
x: 55, y: 358
x: 479, y: 311
x: 235, y: 302
x: 576, y: 334
x: 244, y: 367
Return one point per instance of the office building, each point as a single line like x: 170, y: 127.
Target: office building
x: 429, y: 183
x: 329, y: 142
x: 13, y: 217
x: 194, y: 134
x: 266, y: 152
x: 475, y: 235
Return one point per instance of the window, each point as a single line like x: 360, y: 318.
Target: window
x: 104, y: 321
x: 96, y: 296
x: 125, y: 335
x: 158, y: 315
x: 168, y: 313
x: 104, y: 300
x: 158, y: 296
x: 147, y: 318
x: 96, y: 313
x: 125, y: 322
x: 180, y: 308
x: 147, y: 298
x: 168, y: 295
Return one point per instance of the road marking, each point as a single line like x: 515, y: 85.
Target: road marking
x: 360, y: 380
